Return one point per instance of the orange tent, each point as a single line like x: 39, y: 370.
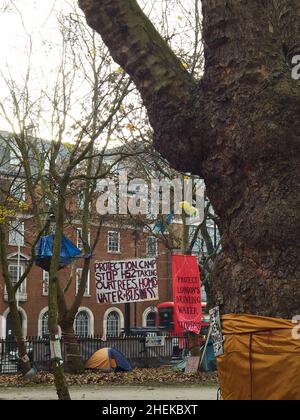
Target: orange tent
x: 101, y: 360
x: 261, y: 360
x: 108, y: 359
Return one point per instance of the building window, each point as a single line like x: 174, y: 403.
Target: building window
x: 48, y: 202
x: 113, y: 325
x: 79, y: 272
x: 9, y: 329
x: 82, y: 324
x: 46, y: 163
x: 81, y: 199
x: 79, y: 238
x: 16, y: 233
x: 152, y: 248
x: 14, y: 159
x: 15, y: 276
x: 45, y: 283
x: 114, y: 242
x: 151, y: 319
x: 44, y: 325
x: 18, y: 190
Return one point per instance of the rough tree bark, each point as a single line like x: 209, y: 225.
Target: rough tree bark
x: 56, y: 357
x: 238, y: 127
x: 75, y: 363
x: 66, y: 321
x: 67, y: 313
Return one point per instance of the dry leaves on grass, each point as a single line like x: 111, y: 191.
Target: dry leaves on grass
x: 136, y: 377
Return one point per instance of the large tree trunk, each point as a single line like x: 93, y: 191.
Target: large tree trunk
x: 66, y: 321
x: 66, y: 318
x: 75, y: 363
x: 55, y: 344
x: 252, y: 168
x: 24, y: 361
x: 238, y: 127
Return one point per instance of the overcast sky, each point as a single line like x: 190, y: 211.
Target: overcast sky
x: 39, y: 19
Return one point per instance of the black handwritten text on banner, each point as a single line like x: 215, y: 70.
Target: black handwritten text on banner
x: 126, y: 281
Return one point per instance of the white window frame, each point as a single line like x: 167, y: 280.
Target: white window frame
x: 46, y: 164
x: 117, y: 328
x: 109, y: 248
x: 14, y: 159
x: 88, y: 325
x: 22, y: 291
x: 46, y: 277
x: 79, y: 240
x: 18, y: 189
x: 151, y: 313
x: 16, y: 228
x: 105, y: 317
x: 80, y: 200
x: 146, y: 312
x: 24, y: 321
x: 87, y: 292
x: 154, y: 239
x: 45, y: 332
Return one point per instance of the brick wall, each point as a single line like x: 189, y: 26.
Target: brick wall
x: 130, y: 248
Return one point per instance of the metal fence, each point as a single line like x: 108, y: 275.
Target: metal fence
x: 133, y: 348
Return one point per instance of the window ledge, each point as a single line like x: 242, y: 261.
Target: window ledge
x: 16, y: 245
x: 21, y: 298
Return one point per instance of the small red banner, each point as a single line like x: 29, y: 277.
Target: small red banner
x: 186, y: 294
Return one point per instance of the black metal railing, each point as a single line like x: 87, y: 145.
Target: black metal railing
x: 134, y: 349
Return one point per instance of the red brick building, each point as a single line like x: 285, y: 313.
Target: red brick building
x: 119, y: 240
x: 115, y: 243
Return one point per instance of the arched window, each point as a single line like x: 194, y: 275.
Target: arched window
x: 82, y: 324
x: 7, y: 324
x: 44, y: 325
x: 113, y: 324
x: 151, y: 319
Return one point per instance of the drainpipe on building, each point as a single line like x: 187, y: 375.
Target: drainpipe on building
x: 19, y: 274
x: 136, y: 237
x: 170, y: 278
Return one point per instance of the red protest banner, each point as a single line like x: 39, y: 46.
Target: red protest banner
x: 186, y: 293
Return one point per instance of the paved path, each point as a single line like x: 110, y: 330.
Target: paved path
x: 105, y: 393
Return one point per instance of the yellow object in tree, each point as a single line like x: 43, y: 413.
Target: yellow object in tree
x: 261, y: 360
x: 131, y: 127
x: 189, y: 209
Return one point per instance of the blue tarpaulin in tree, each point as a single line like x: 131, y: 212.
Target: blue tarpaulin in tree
x: 161, y: 226
x: 44, y: 252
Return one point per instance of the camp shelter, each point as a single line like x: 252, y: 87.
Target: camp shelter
x: 108, y: 359
x: 44, y: 252
x: 261, y: 359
